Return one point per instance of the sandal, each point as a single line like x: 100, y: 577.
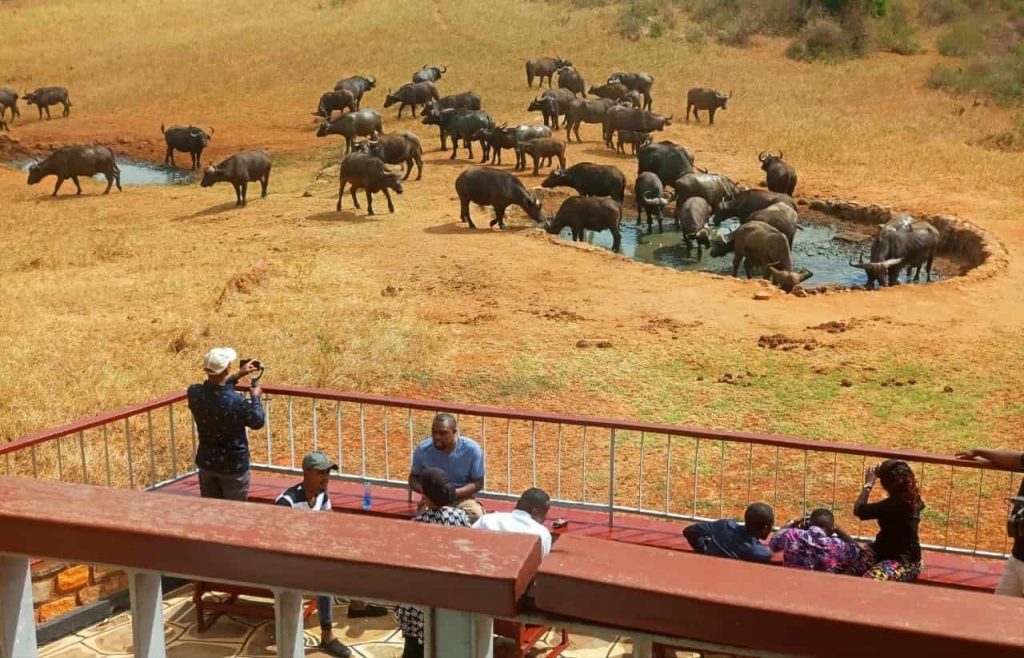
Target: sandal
x: 336, y: 648
x: 369, y: 610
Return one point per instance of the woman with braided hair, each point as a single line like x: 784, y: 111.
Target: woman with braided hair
x: 896, y: 552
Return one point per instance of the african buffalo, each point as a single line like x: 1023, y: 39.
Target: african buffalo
x: 361, y: 123
x: 630, y: 118
x: 692, y: 218
x: 429, y: 74
x: 614, y: 91
x: 239, y: 170
x: 749, y: 201
x: 589, y: 179
x: 713, y: 188
x: 357, y: 85
x: 187, y: 139
x: 541, y: 148
x: 44, y: 97
x: 649, y: 193
x: 641, y: 82
x: 666, y: 159
x: 494, y: 140
x: 633, y: 99
x: 412, y: 94
x: 759, y: 245
x: 548, y: 108
x: 9, y: 99
x: 460, y: 124
x: 365, y: 172
x: 779, y: 215
x: 492, y: 187
x: 467, y: 100
x: 780, y: 174
x: 894, y: 248
x: 397, y: 148
x: 338, y: 100
x: 700, y: 98
x: 525, y: 133
x: 74, y: 161
x: 569, y: 78
x: 543, y: 67
x: 636, y: 140
x: 588, y: 214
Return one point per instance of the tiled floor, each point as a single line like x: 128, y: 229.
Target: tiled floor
x: 234, y: 636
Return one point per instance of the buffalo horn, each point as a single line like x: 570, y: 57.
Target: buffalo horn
x: 892, y: 262
x: 444, y: 69
x: 730, y: 93
x: 862, y: 266
x: 761, y: 156
x: 211, y: 132
x: 372, y: 79
x: 805, y: 274
x: 780, y: 154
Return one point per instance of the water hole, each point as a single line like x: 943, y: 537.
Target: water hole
x: 133, y: 173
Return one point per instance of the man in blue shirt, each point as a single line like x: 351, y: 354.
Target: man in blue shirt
x: 222, y: 415
x: 460, y: 457
x: 726, y: 538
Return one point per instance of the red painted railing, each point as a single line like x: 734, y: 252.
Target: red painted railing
x: 617, y: 466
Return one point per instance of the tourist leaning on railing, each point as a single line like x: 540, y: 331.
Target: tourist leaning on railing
x: 460, y: 457
x: 726, y: 538
x: 815, y: 543
x: 439, y: 499
x: 1012, y: 581
x: 895, y: 554
x: 221, y: 415
x: 311, y: 494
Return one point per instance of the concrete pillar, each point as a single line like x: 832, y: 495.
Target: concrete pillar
x: 147, y: 614
x: 288, y: 623
x: 460, y: 635
x: 17, y: 621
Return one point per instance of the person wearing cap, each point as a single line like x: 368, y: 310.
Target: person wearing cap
x: 222, y: 415
x: 460, y: 457
x: 311, y: 494
x: 439, y: 508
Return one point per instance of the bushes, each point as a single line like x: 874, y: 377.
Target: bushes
x: 965, y: 37
x: 639, y: 18
x: 821, y: 39
x: 895, y: 32
x: 991, y: 49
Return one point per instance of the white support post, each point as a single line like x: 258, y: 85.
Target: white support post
x: 288, y: 623
x: 147, y: 614
x: 460, y: 635
x: 17, y: 621
x: 643, y: 646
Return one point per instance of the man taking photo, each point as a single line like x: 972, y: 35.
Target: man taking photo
x: 222, y: 415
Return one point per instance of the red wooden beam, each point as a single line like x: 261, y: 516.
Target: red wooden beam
x: 726, y: 602
x: 363, y: 556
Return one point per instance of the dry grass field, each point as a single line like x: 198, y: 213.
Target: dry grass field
x: 110, y: 300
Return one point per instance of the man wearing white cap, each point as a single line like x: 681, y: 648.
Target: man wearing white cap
x: 221, y: 414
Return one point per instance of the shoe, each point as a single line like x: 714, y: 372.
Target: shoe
x: 369, y: 610
x: 336, y: 648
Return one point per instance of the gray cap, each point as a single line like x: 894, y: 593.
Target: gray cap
x: 318, y: 461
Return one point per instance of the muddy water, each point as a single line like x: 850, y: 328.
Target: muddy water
x: 134, y: 173
x: 824, y: 245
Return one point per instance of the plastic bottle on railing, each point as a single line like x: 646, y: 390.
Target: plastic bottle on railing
x: 367, y: 498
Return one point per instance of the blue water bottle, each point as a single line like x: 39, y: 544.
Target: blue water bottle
x: 367, y: 499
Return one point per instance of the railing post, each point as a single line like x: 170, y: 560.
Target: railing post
x: 147, y: 614
x: 461, y: 635
x: 611, y: 481
x: 17, y: 620
x: 288, y: 623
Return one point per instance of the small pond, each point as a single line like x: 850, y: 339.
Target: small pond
x: 824, y: 245
x: 134, y: 173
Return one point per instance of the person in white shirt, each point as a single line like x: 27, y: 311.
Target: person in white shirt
x: 528, y: 517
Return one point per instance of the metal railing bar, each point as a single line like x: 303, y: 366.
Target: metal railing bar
x: 128, y: 447
x: 106, y: 454
x: 291, y: 430
x: 174, y: 448
x: 81, y: 450
x: 152, y: 452
x: 640, y: 479
x: 611, y: 478
x: 316, y: 433
x: 60, y: 461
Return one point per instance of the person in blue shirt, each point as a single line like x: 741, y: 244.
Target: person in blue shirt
x: 222, y: 415
x: 460, y: 457
x: 726, y: 538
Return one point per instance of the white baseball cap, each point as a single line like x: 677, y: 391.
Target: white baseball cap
x: 218, y: 359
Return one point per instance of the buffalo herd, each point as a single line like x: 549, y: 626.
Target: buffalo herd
x: 622, y: 106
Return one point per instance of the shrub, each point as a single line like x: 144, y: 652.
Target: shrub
x: 738, y: 30
x: 781, y: 17
x: 821, y: 39
x: 695, y: 36
x: 941, y: 12
x: 965, y: 37
x: 895, y: 32
x: 639, y: 18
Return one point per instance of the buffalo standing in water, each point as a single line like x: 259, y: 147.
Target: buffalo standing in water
x: 240, y: 170
x: 74, y: 161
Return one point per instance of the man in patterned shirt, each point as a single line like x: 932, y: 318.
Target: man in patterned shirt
x: 221, y: 415
x: 815, y: 543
